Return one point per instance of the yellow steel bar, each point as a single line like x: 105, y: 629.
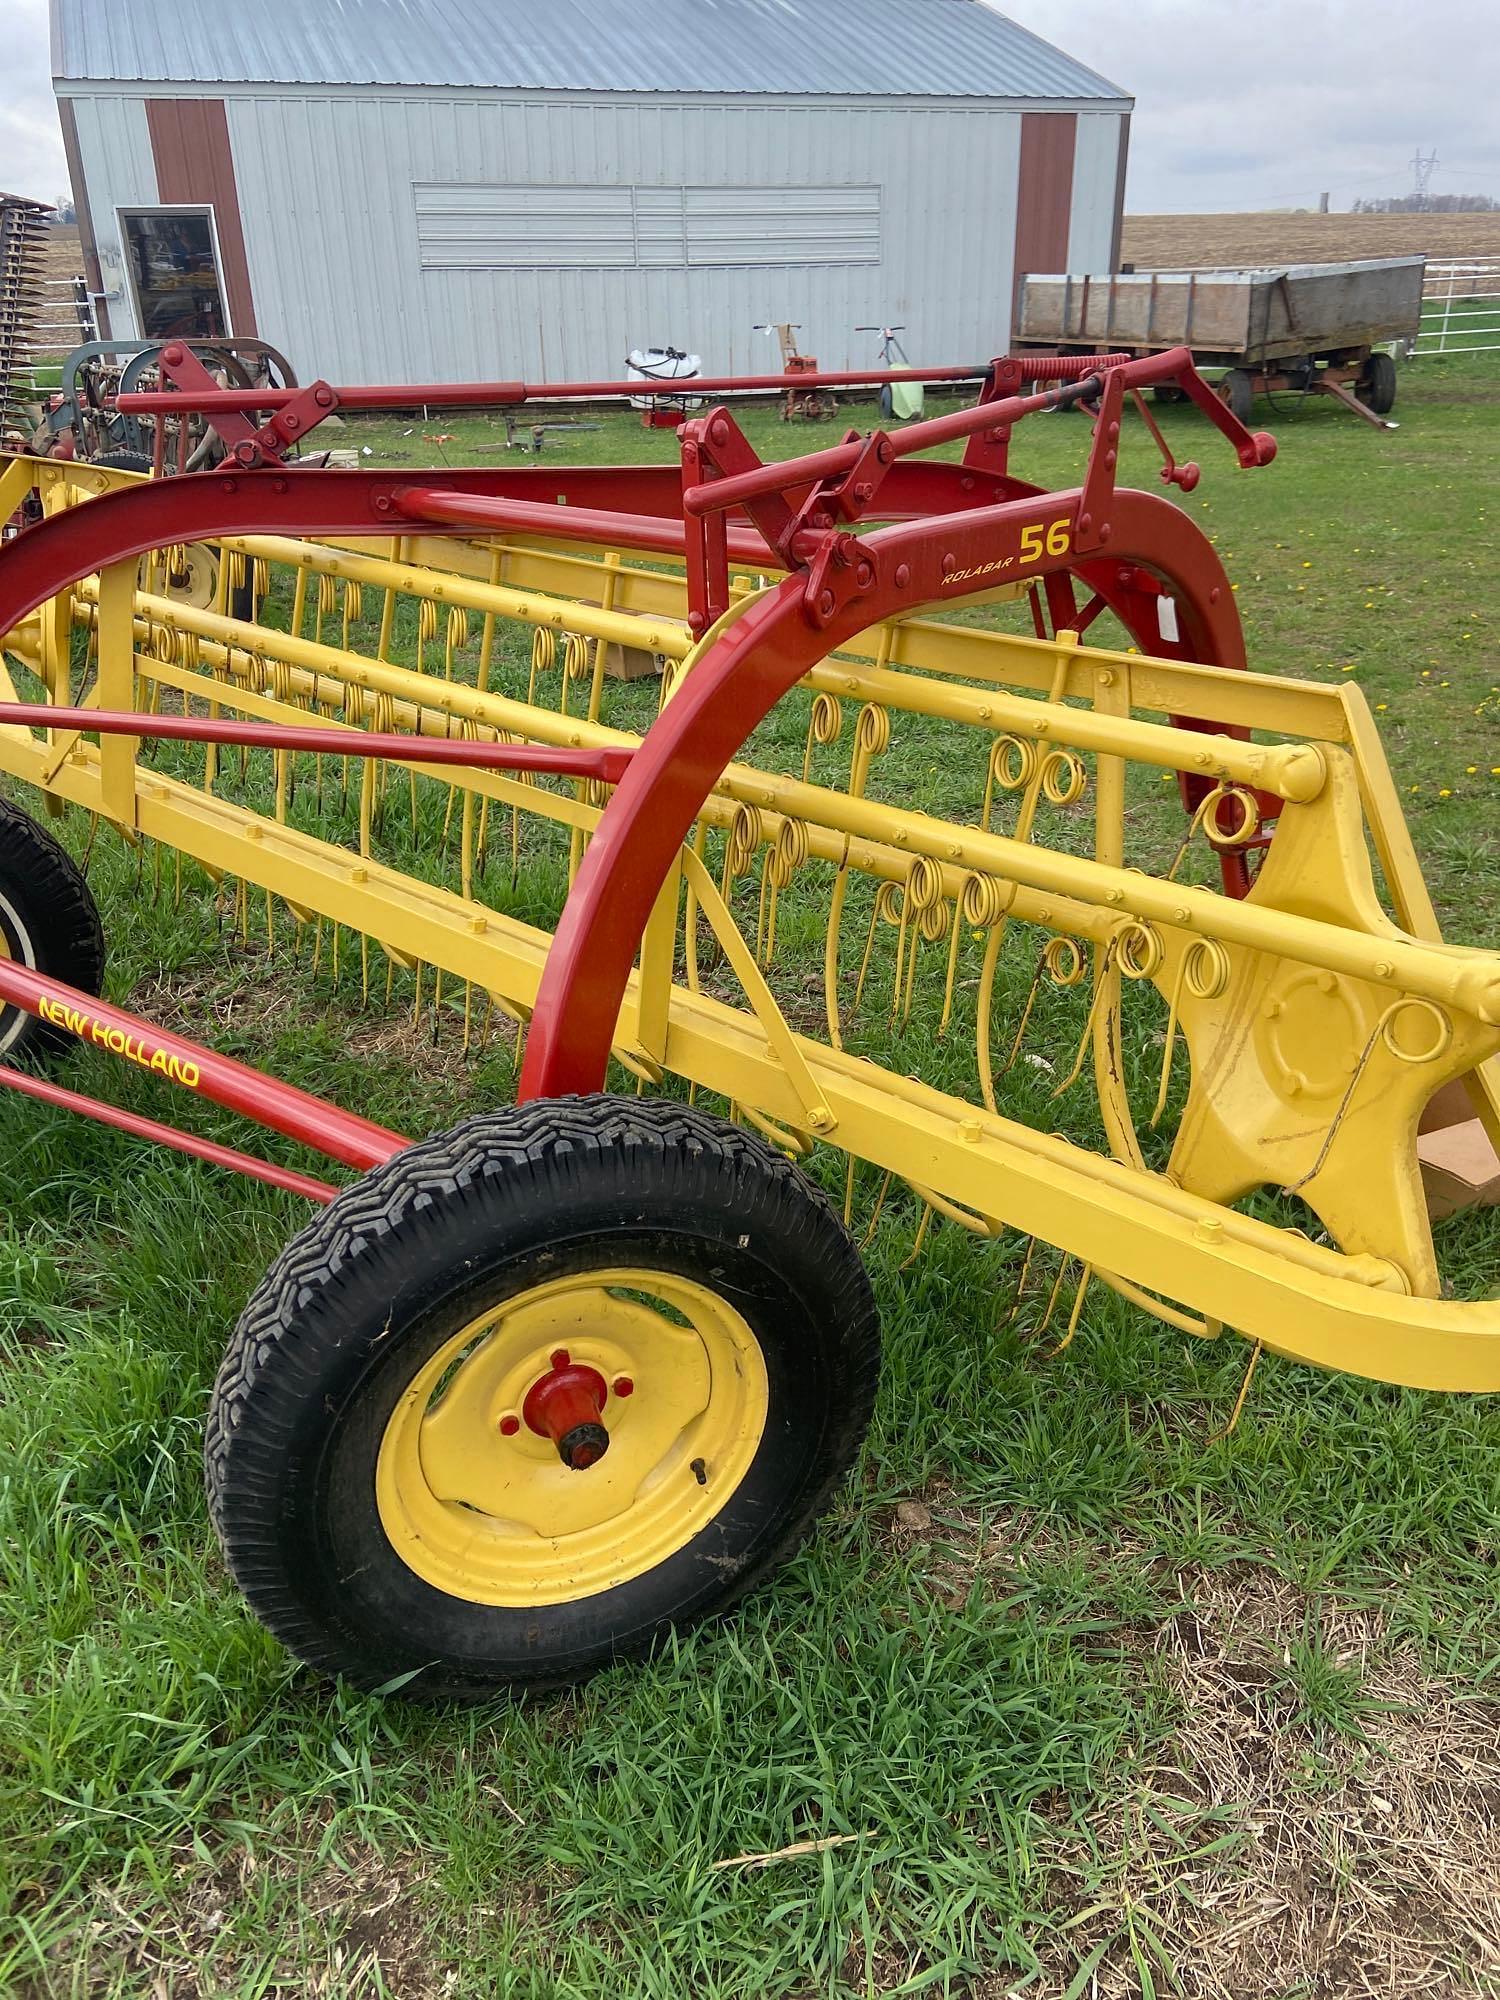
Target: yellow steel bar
x: 658, y: 950
x: 1291, y: 770
x: 447, y: 698
x: 930, y: 646
x: 115, y: 687
x: 532, y: 564
x: 1303, y: 1301
x: 1468, y: 980
x: 527, y: 607
x: 1224, y: 695
x: 9, y: 692
x: 1230, y: 696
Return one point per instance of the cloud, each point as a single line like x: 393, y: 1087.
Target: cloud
x: 1236, y: 107
x: 31, y: 154
x: 1240, y: 107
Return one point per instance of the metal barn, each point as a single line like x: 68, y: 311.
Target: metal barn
x: 471, y: 189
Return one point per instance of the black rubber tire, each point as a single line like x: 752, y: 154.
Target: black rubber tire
x: 1377, y: 382
x: 1238, y: 391
x: 48, y: 921
x: 1168, y: 392
x: 122, y: 461
x: 409, y: 1255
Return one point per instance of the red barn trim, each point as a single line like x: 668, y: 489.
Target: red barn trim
x: 190, y: 144
x: 1044, y: 191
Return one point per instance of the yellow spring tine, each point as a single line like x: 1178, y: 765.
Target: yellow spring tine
x: 1015, y: 1047
x: 872, y: 735
x: 825, y: 726
x: 1239, y: 1401
x: 1052, y: 1296
x: 831, y: 954
x: 890, y: 898
x: 1171, y: 1042
x: 1088, y: 1026
x: 690, y: 916
x: 920, y: 1238
x: 1073, y: 1317
x: 868, y: 1237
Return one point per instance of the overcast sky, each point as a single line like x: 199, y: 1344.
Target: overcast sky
x: 1236, y: 106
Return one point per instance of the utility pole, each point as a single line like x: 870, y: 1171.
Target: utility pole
x: 1422, y: 176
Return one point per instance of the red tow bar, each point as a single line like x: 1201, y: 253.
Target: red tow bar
x: 565, y: 1406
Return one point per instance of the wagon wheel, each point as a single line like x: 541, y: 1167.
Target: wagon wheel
x: 1238, y: 391
x: 1376, y: 386
x: 49, y: 922
x: 535, y: 1391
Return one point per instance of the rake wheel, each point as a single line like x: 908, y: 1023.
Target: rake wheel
x: 48, y: 921
x: 536, y: 1391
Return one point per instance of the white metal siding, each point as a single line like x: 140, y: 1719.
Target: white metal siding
x: 326, y: 187
x: 119, y: 171
x: 1096, y: 160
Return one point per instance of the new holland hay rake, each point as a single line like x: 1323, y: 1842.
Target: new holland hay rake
x: 525, y: 1392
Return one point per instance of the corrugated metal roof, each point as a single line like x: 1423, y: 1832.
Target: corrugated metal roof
x: 885, y: 48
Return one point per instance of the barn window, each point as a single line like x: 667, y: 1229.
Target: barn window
x: 173, y: 263
x: 482, y: 227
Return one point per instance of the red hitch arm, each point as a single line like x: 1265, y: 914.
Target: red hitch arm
x: 281, y: 1107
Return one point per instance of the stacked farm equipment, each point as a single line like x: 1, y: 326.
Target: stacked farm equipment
x: 521, y: 1396
x: 40, y: 314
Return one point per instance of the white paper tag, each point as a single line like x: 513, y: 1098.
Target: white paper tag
x: 1166, y: 618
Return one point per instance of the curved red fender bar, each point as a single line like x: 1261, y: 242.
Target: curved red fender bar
x: 741, y: 678
x: 75, y: 542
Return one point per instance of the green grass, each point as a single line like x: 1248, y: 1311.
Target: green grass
x: 963, y: 1676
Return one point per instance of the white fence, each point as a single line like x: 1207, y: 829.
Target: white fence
x: 1460, y: 307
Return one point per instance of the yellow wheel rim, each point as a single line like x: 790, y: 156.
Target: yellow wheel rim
x: 482, y: 1507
